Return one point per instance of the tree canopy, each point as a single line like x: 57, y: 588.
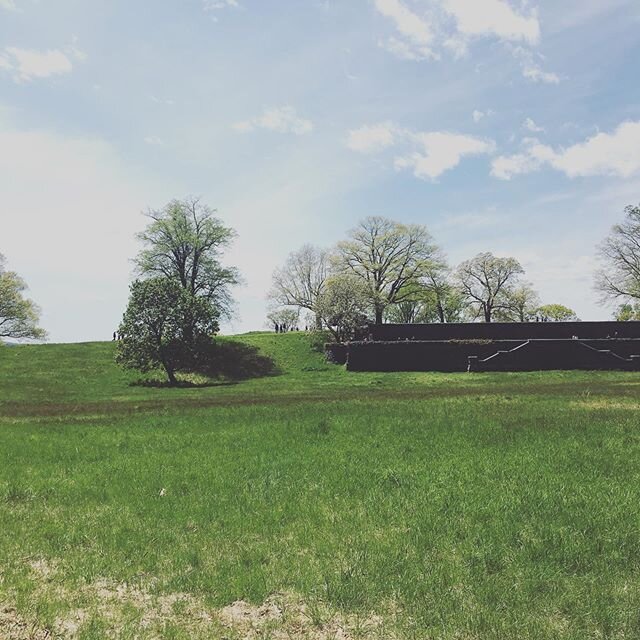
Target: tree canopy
x: 386, y: 257
x: 184, y: 241
x: 486, y: 282
x: 556, y: 313
x: 343, y: 305
x: 153, y: 327
x: 19, y: 316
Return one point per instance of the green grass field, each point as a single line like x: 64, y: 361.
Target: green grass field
x: 324, y: 504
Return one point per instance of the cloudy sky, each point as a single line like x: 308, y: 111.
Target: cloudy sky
x: 503, y: 125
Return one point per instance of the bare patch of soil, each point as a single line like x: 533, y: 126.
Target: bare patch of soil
x: 137, y: 611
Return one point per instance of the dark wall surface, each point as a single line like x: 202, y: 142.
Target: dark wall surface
x: 454, y: 355
x: 502, y: 331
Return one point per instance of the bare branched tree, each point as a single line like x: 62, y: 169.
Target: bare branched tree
x: 301, y: 280
x: 619, y: 278
x: 486, y: 282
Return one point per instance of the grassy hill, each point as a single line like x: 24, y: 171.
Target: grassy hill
x: 319, y: 502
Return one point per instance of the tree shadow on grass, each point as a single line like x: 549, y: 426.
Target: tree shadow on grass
x: 222, y: 363
x: 181, y: 384
x: 233, y: 361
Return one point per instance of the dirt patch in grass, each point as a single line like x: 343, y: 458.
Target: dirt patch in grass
x: 112, y: 610
x: 15, y: 627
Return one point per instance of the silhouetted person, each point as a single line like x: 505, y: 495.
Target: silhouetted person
x: 115, y: 335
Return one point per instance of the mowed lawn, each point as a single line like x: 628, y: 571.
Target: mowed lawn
x: 324, y: 504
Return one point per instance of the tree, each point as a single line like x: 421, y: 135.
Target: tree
x: 556, y: 313
x: 184, y: 242
x: 386, y: 257
x: 626, y: 312
x: 153, y: 327
x: 343, y: 306
x: 285, y: 318
x: 300, y: 281
x: 443, y: 302
x: 487, y: 281
x: 19, y: 316
x: 619, y: 278
x: 521, y: 305
x: 427, y: 304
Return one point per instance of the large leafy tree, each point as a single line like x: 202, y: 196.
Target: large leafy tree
x: 619, y: 277
x: 19, y: 316
x: 153, y: 328
x: 386, y: 257
x: 184, y: 241
x: 299, y: 282
x: 487, y: 281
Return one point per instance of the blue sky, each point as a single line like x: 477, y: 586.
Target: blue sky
x: 504, y: 126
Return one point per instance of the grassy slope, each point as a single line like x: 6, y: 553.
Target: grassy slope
x: 491, y: 506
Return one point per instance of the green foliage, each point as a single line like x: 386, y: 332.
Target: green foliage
x: 19, y: 316
x: 626, y: 312
x: 520, y: 305
x: 164, y: 325
x: 386, y: 257
x: 184, y: 241
x: 487, y: 282
x: 343, y: 306
x: 556, y: 313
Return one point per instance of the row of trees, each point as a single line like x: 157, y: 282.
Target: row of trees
x: 388, y: 271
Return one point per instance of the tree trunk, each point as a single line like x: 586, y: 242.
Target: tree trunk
x: 379, y: 312
x: 318, y: 322
x: 170, y: 374
x: 487, y: 314
x: 441, y: 313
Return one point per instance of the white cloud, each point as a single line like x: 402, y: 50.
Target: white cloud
x: 214, y: 5
x: 615, y: 154
x: 280, y: 119
x: 530, y: 125
x: 441, y: 151
x: 8, y: 4
x: 154, y: 140
x: 504, y: 167
x: 479, y: 115
x: 493, y: 18
x: 452, y: 25
x: 428, y: 154
x: 368, y: 139
x: 157, y: 100
x: 415, y: 30
x: 534, y: 73
x: 27, y: 64
x: 605, y: 154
